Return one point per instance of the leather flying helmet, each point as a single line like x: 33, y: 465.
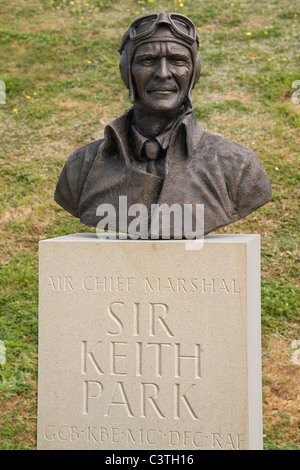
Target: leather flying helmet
x: 144, y: 29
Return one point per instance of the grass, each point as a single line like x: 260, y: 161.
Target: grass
x: 59, y: 62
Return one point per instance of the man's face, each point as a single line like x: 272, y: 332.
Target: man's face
x: 162, y: 72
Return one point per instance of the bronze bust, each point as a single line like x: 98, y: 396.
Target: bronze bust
x: 156, y: 152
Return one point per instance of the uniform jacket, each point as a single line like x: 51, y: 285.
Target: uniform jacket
x: 200, y: 168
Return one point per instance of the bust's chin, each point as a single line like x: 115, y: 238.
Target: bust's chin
x: 160, y: 103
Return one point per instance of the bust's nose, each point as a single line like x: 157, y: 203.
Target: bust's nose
x: 162, y: 70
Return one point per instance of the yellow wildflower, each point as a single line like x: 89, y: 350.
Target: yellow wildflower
x: 248, y: 33
x: 28, y: 97
x: 15, y: 110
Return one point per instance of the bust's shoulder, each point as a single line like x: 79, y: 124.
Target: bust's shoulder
x: 86, y: 152
x: 227, y: 149
x: 73, y: 176
x: 243, y: 173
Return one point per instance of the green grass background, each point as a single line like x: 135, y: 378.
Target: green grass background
x: 59, y: 61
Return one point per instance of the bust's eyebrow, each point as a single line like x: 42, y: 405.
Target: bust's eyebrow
x: 152, y: 55
x: 142, y: 55
x: 178, y: 55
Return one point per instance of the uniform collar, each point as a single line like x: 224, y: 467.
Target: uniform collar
x: 139, y: 140
x: 116, y: 134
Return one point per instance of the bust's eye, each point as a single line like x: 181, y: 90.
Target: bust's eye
x: 178, y: 61
x: 147, y: 61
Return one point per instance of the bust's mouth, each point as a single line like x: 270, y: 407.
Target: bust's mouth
x: 164, y: 91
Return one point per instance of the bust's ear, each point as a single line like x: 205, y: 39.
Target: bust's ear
x: 197, y: 69
x: 125, y: 75
x: 124, y: 68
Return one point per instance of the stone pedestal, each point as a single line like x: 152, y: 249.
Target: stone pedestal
x: 149, y: 344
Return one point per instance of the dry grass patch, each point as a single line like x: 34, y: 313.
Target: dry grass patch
x: 281, y: 403
x: 19, y: 412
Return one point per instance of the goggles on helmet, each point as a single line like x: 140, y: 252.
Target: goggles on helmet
x: 144, y: 27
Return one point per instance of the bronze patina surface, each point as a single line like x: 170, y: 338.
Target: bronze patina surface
x: 156, y: 152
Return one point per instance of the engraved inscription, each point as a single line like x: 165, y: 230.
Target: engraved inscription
x: 191, y: 286
x: 60, y: 283
x: 100, y: 284
x: 156, y: 314
x: 151, y: 396
x: 108, y: 284
x: 137, y: 368
x: 117, y: 356
x: 102, y: 435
